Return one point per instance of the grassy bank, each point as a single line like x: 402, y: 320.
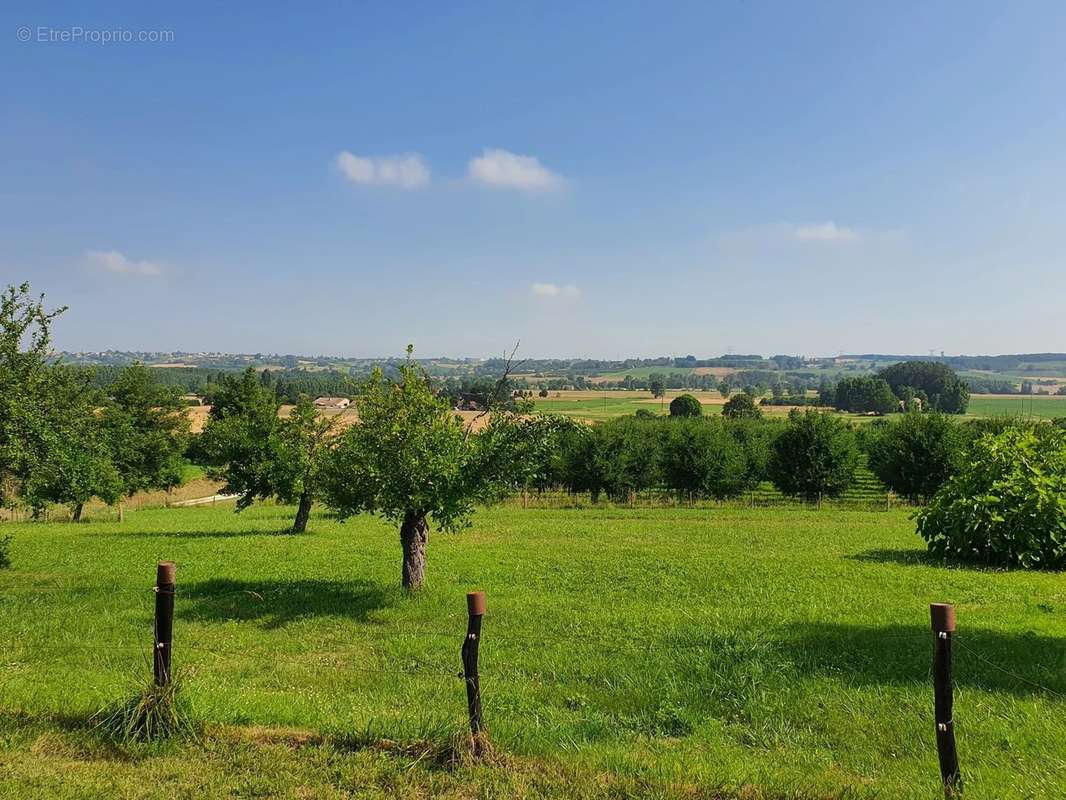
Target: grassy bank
x: 626, y: 652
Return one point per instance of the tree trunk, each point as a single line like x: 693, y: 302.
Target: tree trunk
x: 414, y: 533
x: 77, y: 511
x: 303, y: 513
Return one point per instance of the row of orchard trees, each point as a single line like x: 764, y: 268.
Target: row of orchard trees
x: 809, y: 455
x: 63, y: 440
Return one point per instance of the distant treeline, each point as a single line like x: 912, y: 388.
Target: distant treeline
x: 592, y: 366
x: 1015, y: 362
x: 287, y: 384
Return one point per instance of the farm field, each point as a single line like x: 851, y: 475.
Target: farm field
x: 677, y: 652
x: 991, y: 405
x: 593, y: 405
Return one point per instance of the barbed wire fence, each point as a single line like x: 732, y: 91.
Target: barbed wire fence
x: 337, y: 652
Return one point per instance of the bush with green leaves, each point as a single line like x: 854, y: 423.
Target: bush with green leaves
x: 915, y: 455
x: 5, y: 550
x: 685, y: 405
x: 741, y: 406
x: 702, y: 458
x: 814, y: 457
x: 615, y: 458
x: 1006, y: 505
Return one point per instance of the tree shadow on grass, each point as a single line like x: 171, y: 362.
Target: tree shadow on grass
x: 910, y: 558
x: 923, y: 558
x: 276, y: 603
x: 213, y: 534
x: 1018, y: 663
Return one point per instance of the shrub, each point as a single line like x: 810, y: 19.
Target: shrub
x: 815, y: 456
x: 685, y: 405
x: 757, y: 437
x: 741, y: 406
x: 5, y: 551
x: 701, y: 458
x: 1007, y: 504
x: 613, y: 458
x: 916, y: 455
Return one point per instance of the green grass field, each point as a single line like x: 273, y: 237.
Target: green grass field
x: 685, y: 652
x: 1041, y: 407
x: 611, y: 405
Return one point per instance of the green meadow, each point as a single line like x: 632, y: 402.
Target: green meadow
x: 701, y: 652
x: 1038, y: 406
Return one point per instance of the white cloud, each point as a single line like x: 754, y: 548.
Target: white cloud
x: 116, y: 262
x: 554, y: 290
x: 408, y: 171
x: 501, y: 169
x: 825, y: 232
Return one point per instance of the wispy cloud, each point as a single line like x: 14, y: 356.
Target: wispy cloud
x: 554, y: 290
x: 115, y: 262
x: 825, y: 232
x: 501, y: 169
x: 408, y: 171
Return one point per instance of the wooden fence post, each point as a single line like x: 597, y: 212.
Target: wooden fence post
x: 943, y: 619
x: 164, y: 620
x: 475, y: 606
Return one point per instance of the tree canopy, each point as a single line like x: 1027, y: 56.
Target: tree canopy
x: 935, y: 383
x: 410, y: 458
x: 741, y: 406
x: 685, y: 405
x: 815, y: 456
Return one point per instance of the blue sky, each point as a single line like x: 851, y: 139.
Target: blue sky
x: 603, y: 179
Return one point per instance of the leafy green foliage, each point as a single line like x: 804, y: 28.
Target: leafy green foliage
x: 1006, y: 505
x: 5, y: 550
x: 915, y: 455
x: 685, y: 405
x: 741, y: 406
x: 702, y: 458
x: 241, y: 438
x: 862, y: 394
x: 147, y: 431
x: 408, y: 453
x: 260, y: 456
x: 615, y: 458
x: 409, y: 457
x: 76, y: 461
x: 657, y: 384
x: 930, y: 380
x: 25, y: 346
x: 815, y: 456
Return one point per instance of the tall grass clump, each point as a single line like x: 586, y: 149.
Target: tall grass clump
x: 5, y: 550
x: 152, y: 713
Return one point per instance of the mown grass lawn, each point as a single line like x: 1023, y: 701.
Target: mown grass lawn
x: 702, y: 652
